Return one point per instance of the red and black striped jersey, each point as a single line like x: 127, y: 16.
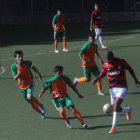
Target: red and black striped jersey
x: 116, y: 72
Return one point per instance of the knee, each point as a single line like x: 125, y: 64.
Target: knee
x: 29, y: 97
x: 71, y: 108
x: 117, y: 106
x: 88, y: 80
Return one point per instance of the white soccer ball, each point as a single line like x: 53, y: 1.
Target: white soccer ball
x: 107, y: 108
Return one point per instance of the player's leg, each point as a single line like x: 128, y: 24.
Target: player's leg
x: 35, y: 104
x: 96, y: 72
x: 99, y: 34
x: 86, y: 78
x: 117, y: 97
x: 56, y: 34
x: 64, y: 42
x: 69, y: 104
x: 96, y: 34
x: 59, y: 106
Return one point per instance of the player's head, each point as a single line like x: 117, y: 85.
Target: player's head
x: 18, y: 55
x: 59, y: 11
x: 96, y: 6
x: 58, y: 70
x: 91, y: 38
x: 109, y: 57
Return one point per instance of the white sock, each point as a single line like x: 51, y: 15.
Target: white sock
x: 96, y: 37
x: 125, y: 109
x: 115, y: 118
x: 101, y: 40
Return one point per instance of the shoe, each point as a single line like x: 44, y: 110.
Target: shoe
x: 43, y: 116
x: 69, y: 125
x: 128, y: 114
x: 65, y: 50
x: 75, y: 81
x: 112, y: 131
x: 56, y: 51
x: 101, y: 94
x: 84, y: 126
x: 42, y: 109
x: 104, y: 47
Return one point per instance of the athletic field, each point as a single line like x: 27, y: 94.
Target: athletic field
x: 19, y: 122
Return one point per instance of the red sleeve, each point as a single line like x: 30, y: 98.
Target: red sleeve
x: 104, y: 70
x: 92, y: 15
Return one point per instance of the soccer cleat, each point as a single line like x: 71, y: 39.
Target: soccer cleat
x: 75, y: 82
x: 65, y: 50
x: 104, y: 47
x: 56, y: 51
x: 84, y: 126
x: 42, y: 109
x: 69, y: 125
x: 101, y: 94
x: 112, y: 131
x: 43, y: 116
x: 128, y: 114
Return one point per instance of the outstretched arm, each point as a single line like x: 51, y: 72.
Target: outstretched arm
x: 38, y: 73
x: 102, y: 75
x: 75, y: 90
x: 134, y: 76
x: 42, y: 92
x: 91, y: 23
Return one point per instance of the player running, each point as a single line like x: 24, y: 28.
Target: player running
x: 59, y: 30
x: 96, y: 24
x: 115, y: 69
x: 87, y: 53
x: 21, y: 72
x: 57, y: 86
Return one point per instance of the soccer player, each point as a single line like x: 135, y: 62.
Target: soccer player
x: 57, y: 86
x: 96, y: 24
x: 59, y: 30
x: 21, y: 71
x: 115, y: 69
x: 87, y: 53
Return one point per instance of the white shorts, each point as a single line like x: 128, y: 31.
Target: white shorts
x: 98, y: 31
x: 117, y: 92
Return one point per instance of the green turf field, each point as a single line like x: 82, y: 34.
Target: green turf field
x: 19, y: 122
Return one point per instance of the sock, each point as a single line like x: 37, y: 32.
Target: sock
x: 35, y: 107
x: 96, y: 37
x: 101, y: 41
x: 125, y: 109
x: 55, y: 44
x: 115, y: 118
x: 64, y: 43
x: 78, y: 116
x: 36, y: 101
x: 63, y: 115
x: 82, y: 79
x: 99, y: 86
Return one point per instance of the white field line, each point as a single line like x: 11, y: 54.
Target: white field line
x: 48, y: 52
x: 2, y: 70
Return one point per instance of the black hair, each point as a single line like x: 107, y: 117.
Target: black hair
x: 58, y: 68
x: 91, y: 34
x: 109, y: 54
x: 59, y: 9
x: 19, y: 52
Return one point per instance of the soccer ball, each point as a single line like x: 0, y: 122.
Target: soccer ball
x: 107, y: 108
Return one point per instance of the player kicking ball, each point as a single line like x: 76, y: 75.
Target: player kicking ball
x: 115, y: 69
x: 21, y: 71
x: 57, y: 86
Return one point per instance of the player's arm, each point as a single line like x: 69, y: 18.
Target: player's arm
x: 99, y: 58
x: 75, y: 90
x: 131, y: 71
x: 84, y: 62
x: 42, y: 92
x: 17, y: 75
x: 91, y: 23
x: 102, y: 75
x: 38, y: 73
